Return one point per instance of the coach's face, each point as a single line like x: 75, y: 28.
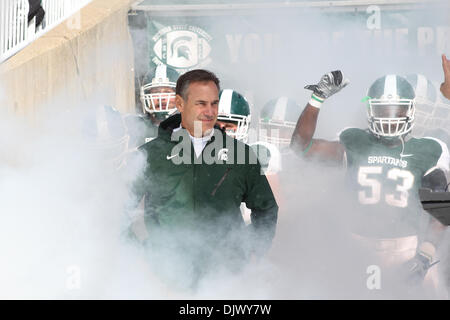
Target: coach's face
x: 199, y: 109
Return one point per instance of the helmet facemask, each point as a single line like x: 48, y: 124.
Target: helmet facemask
x: 242, y: 125
x: 158, y: 100
x: 390, y: 107
x: 390, y: 118
x: 158, y: 96
x: 276, y: 132
x: 277, y: 122
x: 234, y: 109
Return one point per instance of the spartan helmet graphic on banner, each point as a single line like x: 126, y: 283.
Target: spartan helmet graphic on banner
x: 158, y: 96
x: 432, y: 109
x: 234, y: 114
x: 390, y: 106
x: 277, y: 121
x: 182, y: 46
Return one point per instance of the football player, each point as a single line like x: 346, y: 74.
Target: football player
x: 277, y: 122
x: 234, y: 117
x: 385, y: 168
x: 432, y: 116
x: 234, y: 114
x: 158, y: 103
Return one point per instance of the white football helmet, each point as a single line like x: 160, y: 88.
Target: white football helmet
x: 277, y: 121
x: 390, y: 106
x: 234, y: 108
x: 432, y: 109
x: 158, y: 96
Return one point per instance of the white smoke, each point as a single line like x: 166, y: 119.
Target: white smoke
x: 60, y: 213
x: 313, y: 254
x: 62, y: 208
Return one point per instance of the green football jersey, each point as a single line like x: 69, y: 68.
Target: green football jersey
x: 385, y: 179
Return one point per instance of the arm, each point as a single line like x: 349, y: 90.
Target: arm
x: 436, y: 180
x: 260, y: 200
x: 445, y: 86
x: 426, y: 249
x: 302, y: 141
x: 425, y: 257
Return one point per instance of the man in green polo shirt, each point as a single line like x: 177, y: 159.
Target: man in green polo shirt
x: 195, y: 179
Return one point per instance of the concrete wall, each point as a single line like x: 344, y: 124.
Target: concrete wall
x: 88, y: 58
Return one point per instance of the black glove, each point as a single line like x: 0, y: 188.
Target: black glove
x: 328, y: 85
x: 417, y: 268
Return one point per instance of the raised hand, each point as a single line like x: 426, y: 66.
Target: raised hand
x: 445, y: 86
x: 328, y: 85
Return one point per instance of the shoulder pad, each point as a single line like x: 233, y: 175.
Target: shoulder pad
x: 444, y: 159
x: 354, y: 136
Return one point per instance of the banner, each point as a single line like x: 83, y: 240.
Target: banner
x: 263, y: 53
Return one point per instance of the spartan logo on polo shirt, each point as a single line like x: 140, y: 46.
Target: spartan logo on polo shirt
x: 223, y: 154
x: 182, y: 47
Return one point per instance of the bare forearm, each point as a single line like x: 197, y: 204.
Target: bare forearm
x: 445, y: 86
x: 302, y: 141
x: 445, y: 89
x: 305, y: 128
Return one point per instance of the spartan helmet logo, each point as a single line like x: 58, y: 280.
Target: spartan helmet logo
x: 180, y: 47
x: 223, y: 154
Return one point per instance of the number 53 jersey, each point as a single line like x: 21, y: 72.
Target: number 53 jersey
x: 384, y: 181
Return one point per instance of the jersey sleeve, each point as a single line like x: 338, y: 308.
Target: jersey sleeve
x: 354, y: 141
x: 442, y: 155
x: 352, y: 138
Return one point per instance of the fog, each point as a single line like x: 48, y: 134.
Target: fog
x: 63, y: 205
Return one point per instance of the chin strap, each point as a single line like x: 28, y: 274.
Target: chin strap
x: 402, y: 139
x: 403, y: 146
